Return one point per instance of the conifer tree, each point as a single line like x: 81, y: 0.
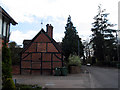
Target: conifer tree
x: 103, y: 38
x: 71, y: 43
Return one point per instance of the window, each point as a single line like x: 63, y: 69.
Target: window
x: 0, y: 26
x: 4, y: 29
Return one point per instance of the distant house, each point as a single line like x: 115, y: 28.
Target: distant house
x: 5, y: 21
x: 42, y: 54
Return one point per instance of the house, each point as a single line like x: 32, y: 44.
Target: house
x: 42, y: 54
x: 5, y: 21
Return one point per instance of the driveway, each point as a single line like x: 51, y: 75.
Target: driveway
x: 81, y: 80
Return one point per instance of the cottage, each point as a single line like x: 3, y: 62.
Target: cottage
x: 42, y: 54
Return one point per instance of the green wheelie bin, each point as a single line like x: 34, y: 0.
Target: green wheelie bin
x: 57, y: 72
x: 64, y: 71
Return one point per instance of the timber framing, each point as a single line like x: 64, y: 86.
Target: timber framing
x: 42, y: 61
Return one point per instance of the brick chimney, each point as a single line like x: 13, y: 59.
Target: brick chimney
x: 50, y: 30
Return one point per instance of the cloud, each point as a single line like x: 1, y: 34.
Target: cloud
x: 19, y: 36
x: 56, y: 13
x: 81, y: 11
x: 58, y: 36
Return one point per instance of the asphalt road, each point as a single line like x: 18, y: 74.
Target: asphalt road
x: 103, y: 77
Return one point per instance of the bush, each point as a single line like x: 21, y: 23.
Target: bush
x: 74, y: 60
x: 9, y: 84
x: 14, y: 52
x: 6, y: 63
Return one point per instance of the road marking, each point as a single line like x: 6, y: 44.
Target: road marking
x: 49, y: 84
x: 91, y: 81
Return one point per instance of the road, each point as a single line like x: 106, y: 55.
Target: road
x: 91, y: 77
x: 103, y: 77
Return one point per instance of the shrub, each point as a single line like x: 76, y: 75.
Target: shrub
x: 9, y: 84
x: 74, y: 60
x: 6, y: 62
x: 6, y: 65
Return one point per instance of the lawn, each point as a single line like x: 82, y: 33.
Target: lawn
x: 28, y: 87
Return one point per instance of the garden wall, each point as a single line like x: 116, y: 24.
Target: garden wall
x: 15, y: 69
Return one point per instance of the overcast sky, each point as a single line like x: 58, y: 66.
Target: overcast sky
x: 30, y: 13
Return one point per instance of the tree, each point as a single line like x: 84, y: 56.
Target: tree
x: 103, y: 39
x: 15, y: 50
x: 71, y: 41
x: 7, y: 82
x: 110, y: 45
x: 6, y: 64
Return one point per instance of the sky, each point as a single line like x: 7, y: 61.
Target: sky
x: 30, y: 13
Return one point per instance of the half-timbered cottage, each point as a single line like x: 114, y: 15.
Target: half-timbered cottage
x: 42, y: 54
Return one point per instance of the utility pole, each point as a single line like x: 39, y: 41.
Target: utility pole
x: 117, y: 45
x: 78, y: 48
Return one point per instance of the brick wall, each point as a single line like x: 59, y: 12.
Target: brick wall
x: 51, y: 48
x: 25, y: 72
x: 26, y: 56
x: 26, y: 64
x: 41, y: 47
x: 36, y: 65
x: 36, y: 57
x: 55, y: 58
x: 15, y: 69
x: 32, y: 48
x: 49, y: 30
x: 57, y: 64
x: 42, y: 38
x: 46, y: 56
